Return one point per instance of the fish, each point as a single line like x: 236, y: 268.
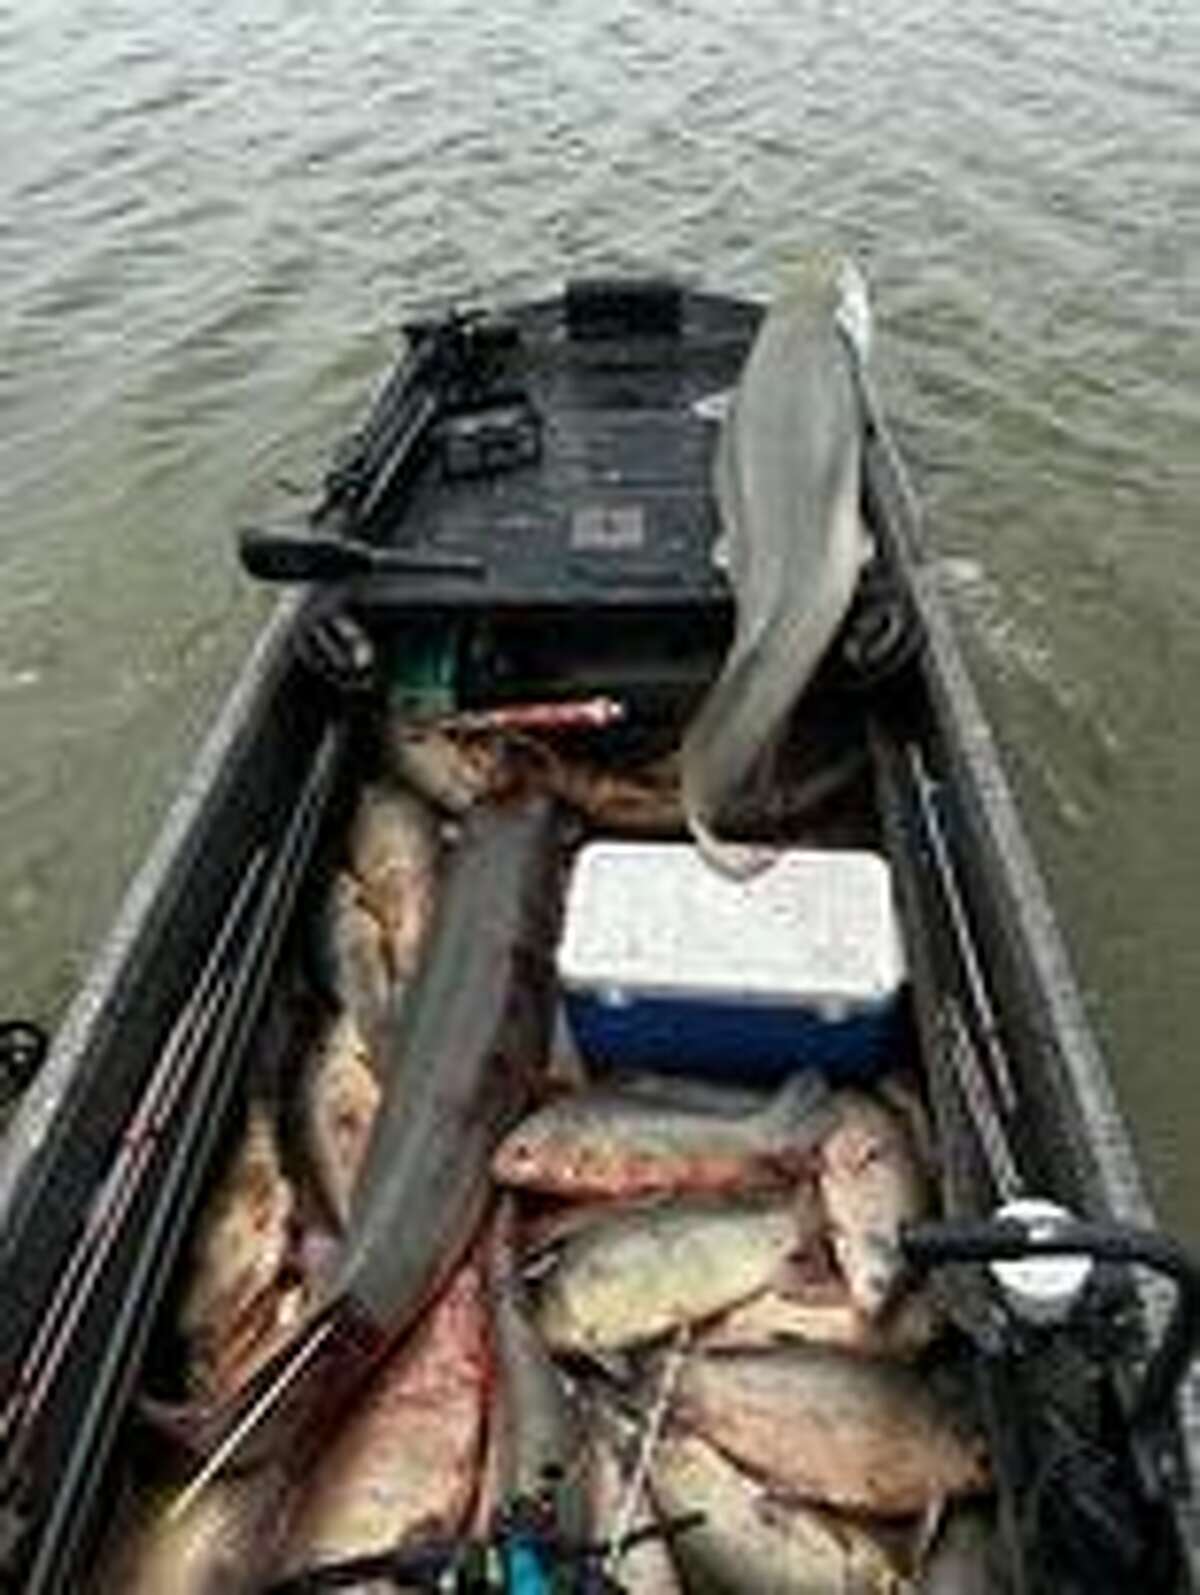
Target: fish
x: 553, y: 715
x: 788, y: 484
x: 902, y: 1095
x: 244, y: 1241
x: 753, y: 1542
x: 393, y: 854
x: 645, y: 803
x: 824, y: 1425
x: 456, y: 770
x: 452, y: 771
x: 871, y: 1183
x: 340, y: 1098
x: 646, y: 1568
x: 823, y: 1311
x: 403, y: 1465
x: 602, y: 1143
x: 633, y: 1277
x: 540, y: 1443
x: 265, y: 1328
x: 964, y: 1557
x: 473, y: 1034
x: 545, y: 1226
x: 224, y: 1544
x: 353, y: 960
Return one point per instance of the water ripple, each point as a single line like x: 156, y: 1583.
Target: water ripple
x: 212, y: 221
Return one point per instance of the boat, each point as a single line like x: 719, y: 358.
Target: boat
x: 524, y: 521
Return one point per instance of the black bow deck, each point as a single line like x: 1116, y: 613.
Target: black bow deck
x: 572, y: 458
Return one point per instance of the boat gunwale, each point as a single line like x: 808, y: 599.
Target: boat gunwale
x: 1083, y: 1083
x: 52, y: 1112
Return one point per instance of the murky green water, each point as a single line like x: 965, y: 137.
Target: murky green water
x: 211, y: 223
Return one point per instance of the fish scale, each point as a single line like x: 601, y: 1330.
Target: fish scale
x: 787, y: 479
x: 403, y: 1465
x: 751, y: 1543
x: 638, y: 1275
x: 474, y: 1031
x: 826, y: 1425
x: 601, y: 1143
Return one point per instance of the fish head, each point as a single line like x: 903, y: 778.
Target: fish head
x: 820, y: 275
x: 523, y: 1153
x: 827, y: 282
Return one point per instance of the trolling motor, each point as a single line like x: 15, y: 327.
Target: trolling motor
x: 1043, y: 1259
x: 1094, y: 1477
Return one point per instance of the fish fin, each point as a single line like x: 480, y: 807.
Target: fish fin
x: 809, y: 1216
x: 803, y: 1106
x: 903, y: 1097
x: 809, y: 1277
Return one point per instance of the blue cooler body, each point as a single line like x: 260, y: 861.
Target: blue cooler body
x: 667, y: 965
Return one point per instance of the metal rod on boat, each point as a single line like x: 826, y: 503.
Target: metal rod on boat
x: 399, y: 451
x: 228, y: 1447
x: 1002, y: 1165
x: 202, y: 1113
x: 964, y: 942
x: 924, y: 879
x: 86, y: 1263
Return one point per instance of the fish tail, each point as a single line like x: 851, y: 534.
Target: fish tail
x: 731, y: 740
x: 739, y: 861
x: 798, y: 1099
x: 802, y: 1107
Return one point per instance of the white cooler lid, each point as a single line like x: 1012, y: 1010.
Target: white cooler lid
x: 654, y: 918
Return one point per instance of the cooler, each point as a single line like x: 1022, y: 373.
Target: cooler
x: 666, y: 964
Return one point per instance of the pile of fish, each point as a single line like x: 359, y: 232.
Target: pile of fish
x: 637, y: 1303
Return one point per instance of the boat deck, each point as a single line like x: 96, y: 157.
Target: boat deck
x: 617, y: 511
